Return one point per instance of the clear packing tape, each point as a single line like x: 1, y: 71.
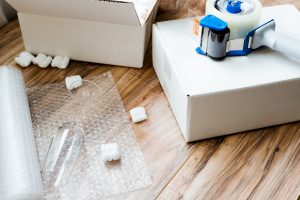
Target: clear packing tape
x: 103, y: 120
x: 239, y: 24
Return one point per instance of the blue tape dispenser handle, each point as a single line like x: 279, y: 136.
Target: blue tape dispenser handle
x: 215, y: 39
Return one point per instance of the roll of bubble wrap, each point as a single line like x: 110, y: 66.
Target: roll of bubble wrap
x: 20, y: 177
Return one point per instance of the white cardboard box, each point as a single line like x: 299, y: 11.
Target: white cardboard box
x: 100, y: 31
x: 212, y: 98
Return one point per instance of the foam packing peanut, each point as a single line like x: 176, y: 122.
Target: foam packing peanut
x: 73, y: 82
x: 60, y: 62
x: 42, y: 60
x: 24, y: 59
x: 110, y: 152
x: 138, y: 114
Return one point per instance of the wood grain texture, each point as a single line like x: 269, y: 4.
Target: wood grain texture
x: 261, y: 164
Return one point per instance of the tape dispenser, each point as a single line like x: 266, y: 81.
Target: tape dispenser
x: 233, y: 28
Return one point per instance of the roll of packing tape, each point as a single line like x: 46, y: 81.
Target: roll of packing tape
x: 239, y: 23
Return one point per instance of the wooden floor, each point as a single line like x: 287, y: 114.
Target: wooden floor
x: 261, y: 164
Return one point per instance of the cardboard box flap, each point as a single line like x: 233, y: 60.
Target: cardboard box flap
x: 151, y: 7
x: 116, y: 12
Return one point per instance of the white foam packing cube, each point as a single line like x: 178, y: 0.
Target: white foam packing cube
x: 110, y: 152
x: 60, y: 62
x: 42, y: 60
x: 73, y: 82
x: 212, y: 98
x: 108, y: 32
x: 138, y: 114
x: 24, y: 59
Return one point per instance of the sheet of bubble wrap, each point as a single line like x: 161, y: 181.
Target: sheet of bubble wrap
x: 104, y: 121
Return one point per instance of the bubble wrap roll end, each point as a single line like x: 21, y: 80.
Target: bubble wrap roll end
x: 20, y: 177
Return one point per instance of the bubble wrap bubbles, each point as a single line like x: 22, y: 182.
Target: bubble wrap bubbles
x: 20, y: 176
x: 104, y: 120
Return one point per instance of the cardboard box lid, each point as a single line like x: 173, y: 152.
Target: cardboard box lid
x: 116, y: 12
x: 201, y: 75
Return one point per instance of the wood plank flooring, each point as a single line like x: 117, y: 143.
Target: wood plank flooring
x: 261, y: 164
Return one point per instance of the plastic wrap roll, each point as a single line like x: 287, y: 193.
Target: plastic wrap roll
x: 239, y: 24
x: 20, y: 177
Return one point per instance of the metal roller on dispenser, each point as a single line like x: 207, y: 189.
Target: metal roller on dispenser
x: 231, y: 28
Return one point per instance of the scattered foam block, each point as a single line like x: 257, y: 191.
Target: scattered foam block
x: 110, y: 152
x: 60, y: 62
x: 138, y: 114
x: 42, y: 60
x: 24, y: 59
x: 73, y: 82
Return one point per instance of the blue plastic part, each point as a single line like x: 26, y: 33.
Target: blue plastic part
x: 246, y: 50
x: 199, y: 51
x: 243, y: 52
x: 213, y: 22
x: 234, y: 7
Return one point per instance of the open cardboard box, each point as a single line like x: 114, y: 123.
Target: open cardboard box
x: 212, y: 98
x: 100, y: 31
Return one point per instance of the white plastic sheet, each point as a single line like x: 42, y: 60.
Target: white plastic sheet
x: 104, y: 120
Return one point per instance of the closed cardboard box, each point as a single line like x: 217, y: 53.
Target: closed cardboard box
x: 212, y: 98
